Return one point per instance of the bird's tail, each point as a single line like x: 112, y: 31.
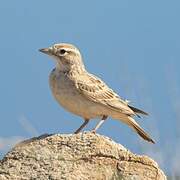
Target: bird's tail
x: 132, y: 123
x: 138, y: 111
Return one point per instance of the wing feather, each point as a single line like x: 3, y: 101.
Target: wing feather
x: 96, y: 90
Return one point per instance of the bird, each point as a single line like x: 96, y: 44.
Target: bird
x: 85, y: 94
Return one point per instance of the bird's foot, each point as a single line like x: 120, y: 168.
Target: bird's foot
x: 76, y: 132
x: 93, y: 131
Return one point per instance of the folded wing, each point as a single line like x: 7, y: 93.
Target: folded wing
x: 96, y: 90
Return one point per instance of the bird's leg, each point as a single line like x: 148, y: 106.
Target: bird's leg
x: 82, y: 126
x: 99, y: 124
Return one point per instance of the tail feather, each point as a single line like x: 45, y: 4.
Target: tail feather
x: 138, y: 111
x: 139, y: 130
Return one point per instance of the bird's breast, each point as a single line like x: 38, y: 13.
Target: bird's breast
x: 67, y: 95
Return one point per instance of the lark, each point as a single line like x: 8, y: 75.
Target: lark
x: 86, y: 95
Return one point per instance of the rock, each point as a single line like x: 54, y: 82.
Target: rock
x: 83, y: 156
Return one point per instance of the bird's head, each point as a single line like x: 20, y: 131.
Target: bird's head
x: 67, y: 56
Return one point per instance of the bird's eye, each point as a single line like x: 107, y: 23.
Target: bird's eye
x: 62, y: 51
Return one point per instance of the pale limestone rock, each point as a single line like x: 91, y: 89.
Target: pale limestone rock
x: 83, y: 156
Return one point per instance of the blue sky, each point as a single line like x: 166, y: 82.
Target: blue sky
x: 132, y: 45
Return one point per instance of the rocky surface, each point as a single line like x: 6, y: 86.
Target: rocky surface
x: 81, y: 156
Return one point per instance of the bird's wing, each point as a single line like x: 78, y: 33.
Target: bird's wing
x: 97, y: 91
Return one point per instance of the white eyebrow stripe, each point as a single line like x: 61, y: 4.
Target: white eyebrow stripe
x: 76, y: 51
x: 67, y: 47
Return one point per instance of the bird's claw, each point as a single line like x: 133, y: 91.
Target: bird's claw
x: 93, y: 131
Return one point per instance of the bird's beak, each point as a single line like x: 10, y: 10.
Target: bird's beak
x: 46, y: 51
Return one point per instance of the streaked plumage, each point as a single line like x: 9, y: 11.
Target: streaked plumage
x: 85, y: 94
